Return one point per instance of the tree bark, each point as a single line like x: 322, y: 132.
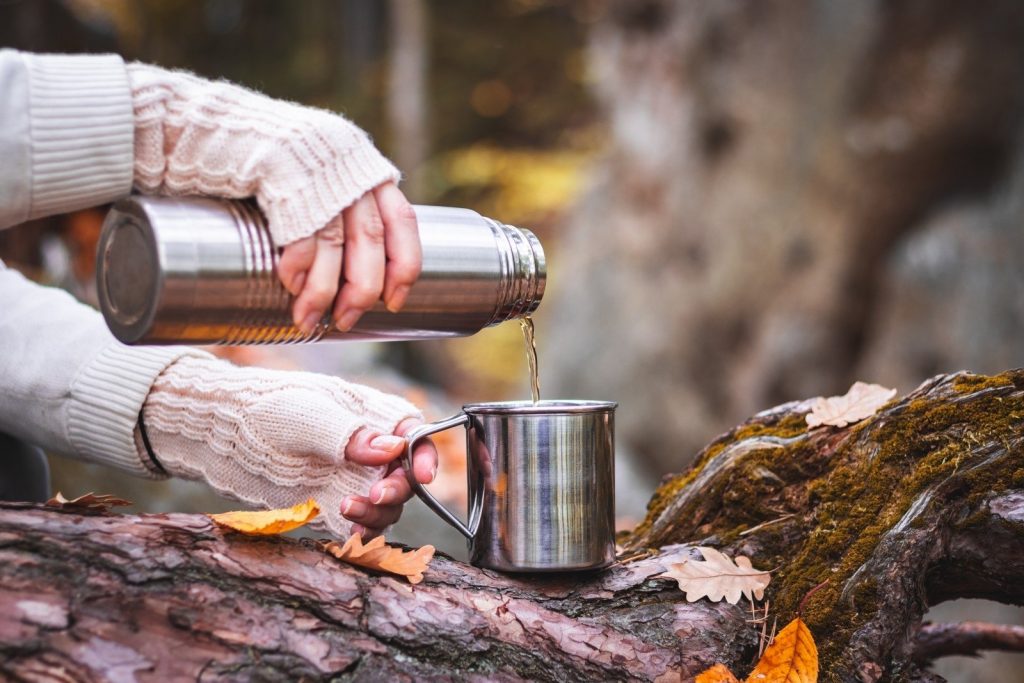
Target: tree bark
x: 923, y: 502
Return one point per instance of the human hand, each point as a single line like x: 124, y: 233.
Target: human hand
x: 329, y: 196
x: 368, y: 252
x: 382, y: 506
x: 276, y: 438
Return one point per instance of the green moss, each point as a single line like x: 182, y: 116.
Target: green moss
x: 845, y: 489
x: 784, y: 426
x: 916, y: 447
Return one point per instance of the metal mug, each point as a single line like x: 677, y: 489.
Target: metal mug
x: 541, y: 480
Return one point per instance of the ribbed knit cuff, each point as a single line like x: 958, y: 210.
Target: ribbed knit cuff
x: 82, y: 131
x: 328, y: 192
x: 106, y: 398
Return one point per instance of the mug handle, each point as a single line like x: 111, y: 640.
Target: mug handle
x: 411, y: 440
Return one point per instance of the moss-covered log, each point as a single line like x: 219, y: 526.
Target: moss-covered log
x: 921, y: 503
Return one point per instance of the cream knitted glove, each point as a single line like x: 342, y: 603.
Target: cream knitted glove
x: 303, y: 165
x: 267, y: 437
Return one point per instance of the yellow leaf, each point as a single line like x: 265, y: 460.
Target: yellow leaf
x: 268, y: 522
x: 376, y: 555
x: 792, y: 658
x: 719, y: 673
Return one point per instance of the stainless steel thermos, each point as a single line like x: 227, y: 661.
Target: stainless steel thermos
x: 202, y: 271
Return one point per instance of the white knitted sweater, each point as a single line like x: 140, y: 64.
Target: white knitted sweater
x: 70, y: 138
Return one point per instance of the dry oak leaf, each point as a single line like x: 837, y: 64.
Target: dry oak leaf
x: 90, y: 501
x: 719, y: 673
x: 377, y: 555
x: 861, y: 401
x: 718, y: 577
x: 791, y: 658
x: 268, y: 522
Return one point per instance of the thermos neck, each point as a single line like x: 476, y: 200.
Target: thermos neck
x: 204, y: 271
x: 523, y: 270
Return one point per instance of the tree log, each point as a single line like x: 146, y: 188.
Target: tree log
x: 923, y: 502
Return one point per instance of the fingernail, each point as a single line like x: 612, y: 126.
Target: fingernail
x: 379, y: 498
x: 397, y: 299
x: 309, y: 323
x: 297, y: 282
x: 347, y: 319
x: 386, y: 442
x: 352, y: 507
x: 358, y: 529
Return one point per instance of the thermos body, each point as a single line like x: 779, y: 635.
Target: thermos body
x: 203, y: 271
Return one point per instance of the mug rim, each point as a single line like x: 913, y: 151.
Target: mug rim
x: 543, y: 407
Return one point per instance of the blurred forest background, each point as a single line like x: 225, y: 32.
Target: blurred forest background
x: 743, y: 203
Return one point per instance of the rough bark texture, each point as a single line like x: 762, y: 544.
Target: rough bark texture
x: 921, y: 503
x: 797, y: 194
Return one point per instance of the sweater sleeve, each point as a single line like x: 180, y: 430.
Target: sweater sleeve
x: 66, y: 133
x: 65, y: 383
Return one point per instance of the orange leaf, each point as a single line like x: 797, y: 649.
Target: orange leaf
x: 719, y: 673
x: 376, y: 555
x: 792, y: 658
x: 90, y: 501
x: 268, y: 522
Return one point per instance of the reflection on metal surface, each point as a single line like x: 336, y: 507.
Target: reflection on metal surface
x: 541, y: 484
x: 202, y: 271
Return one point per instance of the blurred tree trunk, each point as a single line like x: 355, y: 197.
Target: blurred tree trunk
x: 923, y: 502
x: 407, y: 90
x: 766, y: 161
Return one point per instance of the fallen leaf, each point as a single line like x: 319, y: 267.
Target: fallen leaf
x: 719, y: 673
x: 377, y: 555
x: 791, y: 658
x: 268, y: 522
x: 717, y: 577
x: 861, y: 401
x: 90, y: 501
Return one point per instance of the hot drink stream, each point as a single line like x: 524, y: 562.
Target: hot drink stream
x: 526, y: 323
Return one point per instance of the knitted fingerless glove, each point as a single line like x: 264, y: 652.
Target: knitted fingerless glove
x: 267, y: 437
x: 303, y: 165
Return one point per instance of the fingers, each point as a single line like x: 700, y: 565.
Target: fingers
x: 393, y: 489
x: 360, y: 510
x: 295, y: 262
x: 424, y: 456
x: 364, y: 262
x: 321, y: 284
x: 375, y: 242
x: 401, y: 243
x: 367, y: 447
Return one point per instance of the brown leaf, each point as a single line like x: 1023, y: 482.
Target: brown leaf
x: 90, y: 501
x: 791, y: 658
x: 376, y: 555
x: 861, y: 401
x: 718, y: 577
x: 719, y: 673
x: 268, y: 522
